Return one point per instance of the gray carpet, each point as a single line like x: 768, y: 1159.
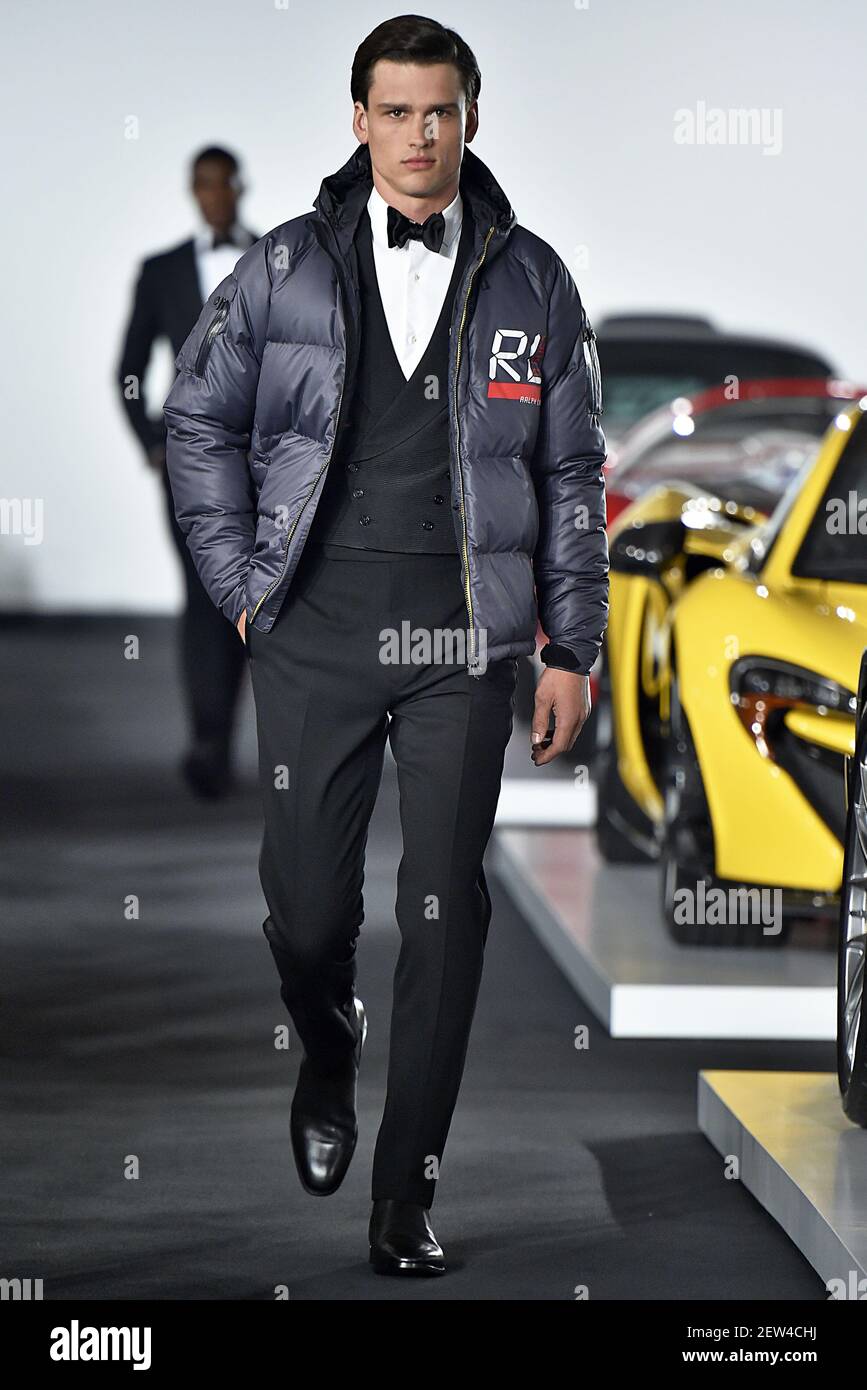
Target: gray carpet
x: 148, y: 1041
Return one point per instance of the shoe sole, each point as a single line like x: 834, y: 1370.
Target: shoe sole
x: 384, y: 1264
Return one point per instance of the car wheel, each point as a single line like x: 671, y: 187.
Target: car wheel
x: 687, y: 857
x: 851, y: 1036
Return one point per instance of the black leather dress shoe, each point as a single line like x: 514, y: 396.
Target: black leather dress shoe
x: 323, y: 1121
x: 402, y: 1240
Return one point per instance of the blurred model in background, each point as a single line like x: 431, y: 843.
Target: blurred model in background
x: 170, y: 293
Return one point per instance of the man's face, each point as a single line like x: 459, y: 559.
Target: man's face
x: 215, y: 188
x: 416, y: 124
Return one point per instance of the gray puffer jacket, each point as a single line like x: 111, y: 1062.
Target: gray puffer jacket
x: 253, y: 419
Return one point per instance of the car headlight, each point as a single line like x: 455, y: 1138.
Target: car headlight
x: 763, y: 690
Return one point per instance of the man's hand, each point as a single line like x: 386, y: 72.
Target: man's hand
x: 157, y: 457
x: 568, y: 696
x: 242, y: 626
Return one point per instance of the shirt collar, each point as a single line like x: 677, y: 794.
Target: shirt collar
x: 205, y: 237
x: 377, y: 209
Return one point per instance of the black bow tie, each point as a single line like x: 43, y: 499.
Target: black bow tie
x: 402, y: 229
x: 226, y: 239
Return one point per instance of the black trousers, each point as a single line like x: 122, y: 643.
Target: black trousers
x: 211, y: 654
x: 325, y: 703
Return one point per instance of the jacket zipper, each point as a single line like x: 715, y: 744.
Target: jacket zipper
x: 467, y: 591
x: 589, y: 336
x: 276, y: 581
x: 214, y: 327
x: 468, y: 594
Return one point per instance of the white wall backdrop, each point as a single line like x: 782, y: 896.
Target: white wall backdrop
x: 577, y: 112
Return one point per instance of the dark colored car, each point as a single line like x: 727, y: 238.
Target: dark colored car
x: 648, y: 359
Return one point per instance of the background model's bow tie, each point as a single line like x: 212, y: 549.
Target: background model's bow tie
x: 401, y: 230
x: 223, y: 239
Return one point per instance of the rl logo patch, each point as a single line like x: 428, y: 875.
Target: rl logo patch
x: 519, y: 379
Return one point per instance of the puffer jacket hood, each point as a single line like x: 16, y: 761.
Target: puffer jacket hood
x: 254, y: 415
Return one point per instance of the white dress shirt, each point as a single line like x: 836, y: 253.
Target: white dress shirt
x: 413, y: 281
x: 213, y: 266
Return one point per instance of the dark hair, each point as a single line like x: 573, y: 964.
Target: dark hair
x: 411, y: 38
x: 214, y: 152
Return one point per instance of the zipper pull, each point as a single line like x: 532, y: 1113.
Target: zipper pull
x: 588, y: 334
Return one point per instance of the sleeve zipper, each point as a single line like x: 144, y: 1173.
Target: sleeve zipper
x: 216, y: 326
x: 592, y: 358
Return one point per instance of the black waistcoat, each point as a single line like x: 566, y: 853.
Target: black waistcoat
x: 388, y: 486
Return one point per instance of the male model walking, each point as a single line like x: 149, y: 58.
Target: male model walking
x: 385, y: 430
x: 171, y: 290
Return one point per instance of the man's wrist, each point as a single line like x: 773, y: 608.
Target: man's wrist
x: 233, y: 607
x: 562, y: 658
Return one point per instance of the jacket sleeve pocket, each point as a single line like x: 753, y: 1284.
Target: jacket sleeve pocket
x: 594, y: 373
x: 196, y: 350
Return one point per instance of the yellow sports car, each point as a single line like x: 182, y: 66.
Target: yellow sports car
x: 733, y: 651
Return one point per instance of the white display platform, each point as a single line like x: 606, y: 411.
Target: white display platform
x: 560, y: 802
x: 602, y: 925
x: 800, y: 1158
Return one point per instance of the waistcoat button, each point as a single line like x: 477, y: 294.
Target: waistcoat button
x: 358, y: 492
x: 352, y: 468
x: 428, y: 525
x: 364, y: 521
x: 439, y: 498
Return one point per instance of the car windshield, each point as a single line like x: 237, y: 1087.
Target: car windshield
x: 835, y: 543
x: 745, y: 451
x: 629, y: 396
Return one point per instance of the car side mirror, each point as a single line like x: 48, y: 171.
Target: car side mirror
x: 646, y: 547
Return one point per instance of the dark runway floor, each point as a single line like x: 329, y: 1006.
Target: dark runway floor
x: 149, y: 1042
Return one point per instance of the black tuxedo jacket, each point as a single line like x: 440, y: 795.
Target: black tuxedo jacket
x: 166, y: 304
